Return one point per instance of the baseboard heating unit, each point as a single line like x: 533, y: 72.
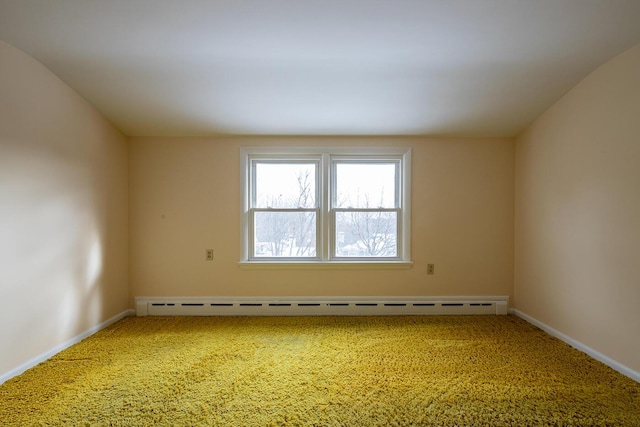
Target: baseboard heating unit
x: 319, y: 306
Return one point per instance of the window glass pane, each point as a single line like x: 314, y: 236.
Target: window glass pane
x: 365, y: 185
x: 285, y: 234
x: 285, y: 185
x: 366, y: 234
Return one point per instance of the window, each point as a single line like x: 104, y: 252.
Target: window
x: 325, y: 206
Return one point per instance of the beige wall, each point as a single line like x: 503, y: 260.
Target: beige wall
x: 577, y: 253
x: 69, y: 189
x: 185, y: 197
x: 63, y: 212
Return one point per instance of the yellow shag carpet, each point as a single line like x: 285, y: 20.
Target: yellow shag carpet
x: 321, y: 371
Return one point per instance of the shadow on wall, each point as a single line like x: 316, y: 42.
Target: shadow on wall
x: 51, y: 250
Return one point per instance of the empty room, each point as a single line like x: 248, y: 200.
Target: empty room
x: 341, y: 213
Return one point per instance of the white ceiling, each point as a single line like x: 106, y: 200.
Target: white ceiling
x: 321, y: 67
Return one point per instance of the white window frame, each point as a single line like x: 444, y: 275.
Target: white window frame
x: 399, y: 197
x: 288, y: 159
x: 327, y: 158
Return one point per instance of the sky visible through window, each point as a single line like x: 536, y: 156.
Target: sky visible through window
x: 286, y: 185
x: 293, y: 185
x: 364, y: 185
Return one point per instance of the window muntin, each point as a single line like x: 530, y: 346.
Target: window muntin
x: 337, y: 219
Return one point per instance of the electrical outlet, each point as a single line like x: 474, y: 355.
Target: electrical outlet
x: 430, y: 268
x: 209, y: 255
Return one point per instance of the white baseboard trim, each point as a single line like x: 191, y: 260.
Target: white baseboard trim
x: 321, y: 306
x: 57, y: 349
x: 625, y: 370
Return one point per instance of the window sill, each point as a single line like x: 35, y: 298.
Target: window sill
x: 333, y: 265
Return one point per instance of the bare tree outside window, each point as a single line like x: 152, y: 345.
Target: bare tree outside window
x: 366, y: 234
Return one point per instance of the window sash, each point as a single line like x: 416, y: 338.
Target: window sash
x: 367, y: 160
x: 253, y: 176
x: 252, y: 234
x: 398, y: 235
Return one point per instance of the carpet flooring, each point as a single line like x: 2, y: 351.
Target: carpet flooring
x: 321, y: 371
